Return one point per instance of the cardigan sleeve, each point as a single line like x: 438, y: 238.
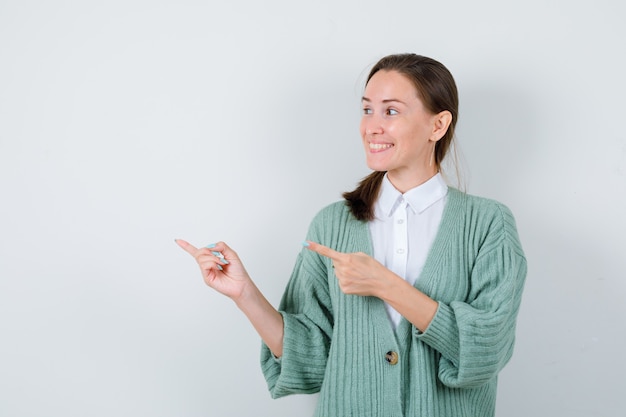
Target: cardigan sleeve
x: 308, y: 323
x: 475, y: 337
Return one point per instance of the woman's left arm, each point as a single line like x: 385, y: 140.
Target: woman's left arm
x: 475, y: 337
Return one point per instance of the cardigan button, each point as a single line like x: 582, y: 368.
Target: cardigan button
x: 391, y: 357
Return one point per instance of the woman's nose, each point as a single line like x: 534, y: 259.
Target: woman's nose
x: 372, y: 126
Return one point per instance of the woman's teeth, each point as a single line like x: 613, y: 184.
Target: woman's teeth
x: 378, y: 146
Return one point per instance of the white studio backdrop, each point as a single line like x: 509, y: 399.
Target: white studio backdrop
x: 126, y: 124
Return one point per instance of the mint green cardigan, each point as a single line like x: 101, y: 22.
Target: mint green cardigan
x: 338, y: 344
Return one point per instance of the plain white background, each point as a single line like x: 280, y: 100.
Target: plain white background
x: 126, y: 124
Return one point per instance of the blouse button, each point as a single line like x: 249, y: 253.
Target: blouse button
x: 391, y: 357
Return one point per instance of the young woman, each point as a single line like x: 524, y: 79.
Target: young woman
x: 405, y: 298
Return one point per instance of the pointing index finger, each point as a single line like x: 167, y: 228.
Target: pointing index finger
x: 322, y: 250
x: 187, y: 247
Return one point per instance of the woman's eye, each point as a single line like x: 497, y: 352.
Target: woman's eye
x: 367, y: 111
x: 392, y: 112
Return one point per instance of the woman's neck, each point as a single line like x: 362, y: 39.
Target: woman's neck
x: 404, y: 181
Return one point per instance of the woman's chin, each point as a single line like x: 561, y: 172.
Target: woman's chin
x: 377, y: 166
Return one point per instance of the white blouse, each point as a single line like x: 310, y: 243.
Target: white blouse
x: 405, y: 227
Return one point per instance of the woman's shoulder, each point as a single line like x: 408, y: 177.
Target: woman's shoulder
x: 332, y: 221
x: 485, y: 215
x: 478, y: 206
x: 337, y: 211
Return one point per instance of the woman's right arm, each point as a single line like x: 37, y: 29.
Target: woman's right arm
x: 228, y: 276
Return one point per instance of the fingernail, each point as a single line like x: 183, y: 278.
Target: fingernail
x: 211, y: 245
x: 220, y: 267
x: 305, y: 244
x: 220, y: 256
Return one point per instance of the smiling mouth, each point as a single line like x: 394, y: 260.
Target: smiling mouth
x: 380, y: 146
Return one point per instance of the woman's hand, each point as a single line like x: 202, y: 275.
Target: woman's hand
x: 357, y: 273
x: 225, y: 275
x: 228, y: 276
x: 361, y: 274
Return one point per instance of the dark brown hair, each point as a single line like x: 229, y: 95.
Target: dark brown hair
x: 437, y: 90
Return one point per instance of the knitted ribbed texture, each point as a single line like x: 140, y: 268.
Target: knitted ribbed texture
x: 336, y: 343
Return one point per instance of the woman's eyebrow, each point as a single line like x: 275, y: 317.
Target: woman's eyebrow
x: 388, y: 100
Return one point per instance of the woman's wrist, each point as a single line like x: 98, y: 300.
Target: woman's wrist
x: 266, y: 320
x: 392, y: 286
x: 248, y: 296
x: 417, y: 307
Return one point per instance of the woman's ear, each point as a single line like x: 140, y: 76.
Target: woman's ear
x: 441, y: 124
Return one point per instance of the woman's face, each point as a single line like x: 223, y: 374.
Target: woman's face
x: 397, y: 130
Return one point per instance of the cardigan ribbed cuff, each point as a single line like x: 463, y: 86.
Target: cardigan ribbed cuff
x: 299, y: 369
x: 441, y: 334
